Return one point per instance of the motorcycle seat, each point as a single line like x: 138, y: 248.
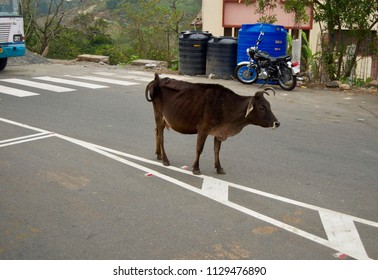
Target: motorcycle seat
x: 281, y: 58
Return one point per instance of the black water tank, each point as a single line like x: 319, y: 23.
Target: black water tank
x: 221, y: 57
x: 192, y: 52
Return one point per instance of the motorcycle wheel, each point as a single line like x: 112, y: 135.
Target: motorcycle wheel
x: 287, y: 81
x: 245, y: 74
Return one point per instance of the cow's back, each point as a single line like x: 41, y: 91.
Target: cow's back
x: 188, y: 106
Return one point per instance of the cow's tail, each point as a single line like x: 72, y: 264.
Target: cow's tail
x: 152, y: 88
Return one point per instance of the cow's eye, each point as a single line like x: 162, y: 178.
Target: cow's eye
x: 262, y: 109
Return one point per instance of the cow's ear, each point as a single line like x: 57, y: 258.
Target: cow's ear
x: 250, y: 106
x: 259, y: 94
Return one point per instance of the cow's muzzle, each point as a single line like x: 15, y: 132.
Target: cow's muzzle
x: 276, y: 124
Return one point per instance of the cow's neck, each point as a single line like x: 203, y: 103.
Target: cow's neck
x: 235, y: 122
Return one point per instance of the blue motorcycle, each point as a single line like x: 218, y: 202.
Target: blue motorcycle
x: 262, y: 66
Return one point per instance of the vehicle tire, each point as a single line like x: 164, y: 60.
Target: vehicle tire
x: 246, y: 74
x: 287, y: 81
x: 3, y: 63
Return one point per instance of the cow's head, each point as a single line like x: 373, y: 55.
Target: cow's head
x: 259, y: 112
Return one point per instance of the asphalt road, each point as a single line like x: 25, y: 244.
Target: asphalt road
x: 79, y: 178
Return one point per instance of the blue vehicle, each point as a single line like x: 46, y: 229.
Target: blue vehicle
x: 263, y: 67
x: 12, y: 38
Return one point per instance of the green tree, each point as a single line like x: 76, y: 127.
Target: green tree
x: 43, y: 21
x: 85, y: 34
x: 360, y: 17
x: 153, y: 26
x: 134, y: 28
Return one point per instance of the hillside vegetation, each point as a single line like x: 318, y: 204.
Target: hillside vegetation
x: 122, y: 29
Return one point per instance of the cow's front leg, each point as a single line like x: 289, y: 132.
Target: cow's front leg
x: 217, y: 146
x: 201, y: 139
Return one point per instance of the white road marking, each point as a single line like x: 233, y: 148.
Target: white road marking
x: 38, y: 85
x: 215, y: 189
x: 342, y: 234
x: 16, y: 92
x: 24, y: 125
x: 22, y: 137
x: 151, y: 75
x: 127, y: 76
x: 109, y: 74
x: 176, y: 77
x: 142, y: 76
x: 137, y: 78
x: 26, y: 140
x: 103, y: 80
x: 340, y: 229
x: 70, y: 82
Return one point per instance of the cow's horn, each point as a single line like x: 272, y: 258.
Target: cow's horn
x: 250, y: 107
x: 269, y: 88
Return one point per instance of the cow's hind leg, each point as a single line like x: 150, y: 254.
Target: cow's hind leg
x: 217, y: 146
x: 160, y: 151
x: 201, y: 139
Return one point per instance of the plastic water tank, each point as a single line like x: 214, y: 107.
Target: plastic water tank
x: 221, y: 57
x: 192, y: 52
x: 274, y: 39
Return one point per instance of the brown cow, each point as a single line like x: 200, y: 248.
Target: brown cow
x: 204, y: 109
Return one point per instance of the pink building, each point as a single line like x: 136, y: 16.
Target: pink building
x: 225, y: 17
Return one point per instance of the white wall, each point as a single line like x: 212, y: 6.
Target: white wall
x: 212, y: 12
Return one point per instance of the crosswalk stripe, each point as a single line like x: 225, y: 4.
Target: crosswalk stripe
x: 109, y: 74
x: 142, y: 76
x: 137, y: 78
x: 146, y: 78
x: 43, y: 86
x: 70, y: 82
x: 139, y: 73
x: 151, y: 76
x: 103, y: 80
x: 16, y: 92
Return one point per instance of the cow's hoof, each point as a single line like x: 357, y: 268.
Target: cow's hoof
x: 221, y: 171
x: 166, y: 163
x: 196, y: 172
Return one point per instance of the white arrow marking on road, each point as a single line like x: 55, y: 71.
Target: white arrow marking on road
x: 342, y: 234
x: 215, y: 189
